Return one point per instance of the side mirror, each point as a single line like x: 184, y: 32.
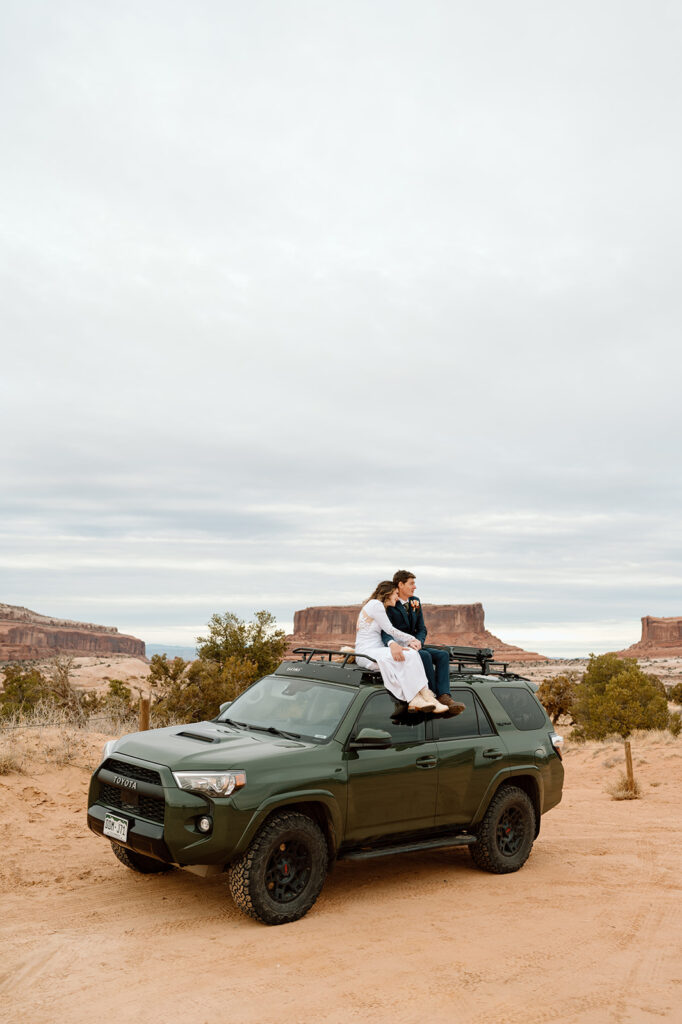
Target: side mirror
x: 371, y: 739
x: 224, y: 706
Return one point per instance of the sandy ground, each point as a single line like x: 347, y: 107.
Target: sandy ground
x: 96, y: 672
x: 589, y: 931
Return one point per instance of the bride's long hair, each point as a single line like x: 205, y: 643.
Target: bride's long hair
x: 382, y: 591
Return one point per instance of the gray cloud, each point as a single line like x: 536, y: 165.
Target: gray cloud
x: 294, y: 293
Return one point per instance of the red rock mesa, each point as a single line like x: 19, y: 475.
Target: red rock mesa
x: 25, y: 635
x: 462, y: 624
x: 660, y: 638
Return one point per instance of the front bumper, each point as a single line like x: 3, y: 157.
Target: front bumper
x: 162, y: 819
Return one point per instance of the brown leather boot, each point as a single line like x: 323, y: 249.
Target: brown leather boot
x: 453, y: 706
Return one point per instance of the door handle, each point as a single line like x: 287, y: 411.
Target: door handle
x: 492, y: 753
x: 427, y: 761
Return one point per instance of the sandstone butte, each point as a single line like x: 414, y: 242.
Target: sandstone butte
x: 25, y: 635
x: 661, y: 638
x: 460, y: 624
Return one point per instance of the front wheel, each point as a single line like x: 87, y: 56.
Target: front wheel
x: 279, y: 877
x: 506, y: 834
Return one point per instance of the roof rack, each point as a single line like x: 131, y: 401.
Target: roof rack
x: 469, y: 660
x: 310, y: 652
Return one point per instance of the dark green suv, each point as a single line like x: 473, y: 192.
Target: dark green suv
x: 318, y: 762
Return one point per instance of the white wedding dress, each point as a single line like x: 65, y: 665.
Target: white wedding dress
x: 405, y: 678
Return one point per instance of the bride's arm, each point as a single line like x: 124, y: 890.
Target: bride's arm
x: 378, y: 613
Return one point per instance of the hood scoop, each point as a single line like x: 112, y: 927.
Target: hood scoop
x: 201, y: 736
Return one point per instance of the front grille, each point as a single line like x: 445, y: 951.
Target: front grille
x: 150, y: 807
x: 132, y: 771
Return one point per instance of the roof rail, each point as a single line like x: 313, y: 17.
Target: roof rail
x: 310, y: 652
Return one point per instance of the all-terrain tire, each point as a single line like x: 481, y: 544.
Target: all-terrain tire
x: 138, y: 862
x: 506, y: 834
x: 279, y: 877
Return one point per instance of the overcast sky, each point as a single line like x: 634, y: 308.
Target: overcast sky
x: 297, y: 294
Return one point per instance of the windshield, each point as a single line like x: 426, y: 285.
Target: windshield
x: 303, y: 708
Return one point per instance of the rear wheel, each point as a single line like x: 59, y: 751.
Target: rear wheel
x: 506, y: 834
x: 279, y: 877
x: 138, y: 862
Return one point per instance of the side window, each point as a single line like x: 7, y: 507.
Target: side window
x: 521, y: 706
x: 376, y: 714
x: 485, y: 727
x: 465, y: 724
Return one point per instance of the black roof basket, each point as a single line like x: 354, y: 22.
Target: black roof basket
x: 482, y: 657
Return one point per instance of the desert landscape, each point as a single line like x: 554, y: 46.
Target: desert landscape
x: 588, y: 931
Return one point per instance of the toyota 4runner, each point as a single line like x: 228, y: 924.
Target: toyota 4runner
x: 317, y: 762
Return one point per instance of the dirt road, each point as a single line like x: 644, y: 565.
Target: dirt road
x: 590, y: 931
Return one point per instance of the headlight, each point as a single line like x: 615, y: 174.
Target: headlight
x: 210, y: 783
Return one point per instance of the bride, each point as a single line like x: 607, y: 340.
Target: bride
x: 400, y: 665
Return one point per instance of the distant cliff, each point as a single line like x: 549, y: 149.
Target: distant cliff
x: 461, y: 624
x: 25, y: 635
x: 660, y: 638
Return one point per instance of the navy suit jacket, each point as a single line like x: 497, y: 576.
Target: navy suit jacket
x: 410, y: 620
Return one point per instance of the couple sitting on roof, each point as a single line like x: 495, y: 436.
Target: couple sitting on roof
x: 391, y: 632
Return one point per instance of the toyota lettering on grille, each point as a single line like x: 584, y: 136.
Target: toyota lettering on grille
x: 120, y: 780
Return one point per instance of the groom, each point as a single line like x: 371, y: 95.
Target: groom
x: 407, y: 615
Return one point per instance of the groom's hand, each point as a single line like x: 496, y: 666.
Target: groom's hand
x: 396, y: 651
x: 415, y: 643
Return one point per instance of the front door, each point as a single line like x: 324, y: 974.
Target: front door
x: 393, y: 790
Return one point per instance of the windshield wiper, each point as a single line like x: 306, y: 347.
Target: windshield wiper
x: 276, y: 732
x: 231, y: 721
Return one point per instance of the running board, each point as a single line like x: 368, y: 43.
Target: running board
x: 428, y: 844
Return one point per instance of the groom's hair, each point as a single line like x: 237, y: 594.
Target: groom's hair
x: 402, y: 576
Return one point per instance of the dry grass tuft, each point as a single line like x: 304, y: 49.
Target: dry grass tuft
x: 10, y: 761
x: 62, y: 748
x: 622, y: 790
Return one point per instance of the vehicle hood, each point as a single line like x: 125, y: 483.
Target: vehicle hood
x: 206, y: 746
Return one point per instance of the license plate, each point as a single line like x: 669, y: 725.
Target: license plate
x: 116, y: 828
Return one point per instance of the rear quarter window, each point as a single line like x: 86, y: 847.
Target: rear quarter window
x: 521, y: 706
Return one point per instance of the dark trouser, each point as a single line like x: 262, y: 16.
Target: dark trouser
x: 437, y: 667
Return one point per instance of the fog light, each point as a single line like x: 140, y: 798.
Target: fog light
x: 205, y: 824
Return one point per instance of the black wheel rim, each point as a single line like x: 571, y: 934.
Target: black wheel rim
x: 288, y: 871
x: 511, y: 831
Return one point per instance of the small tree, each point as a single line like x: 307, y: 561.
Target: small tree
x: 557, y: 695
x: 675, y: 694
x: 231, y: 657
x: 617, y: 696
x: 258, y: 642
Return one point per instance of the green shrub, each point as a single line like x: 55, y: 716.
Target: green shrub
x: 616, y: 696
x: 675, y: 694
x: 231, y: 657
x: 257, y: 642
x: 675, y: 723
x: 197, y: 693
x: 23, y: 688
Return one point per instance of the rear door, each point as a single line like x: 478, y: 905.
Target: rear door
x: 471, y: 757
x: 394, y: 790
